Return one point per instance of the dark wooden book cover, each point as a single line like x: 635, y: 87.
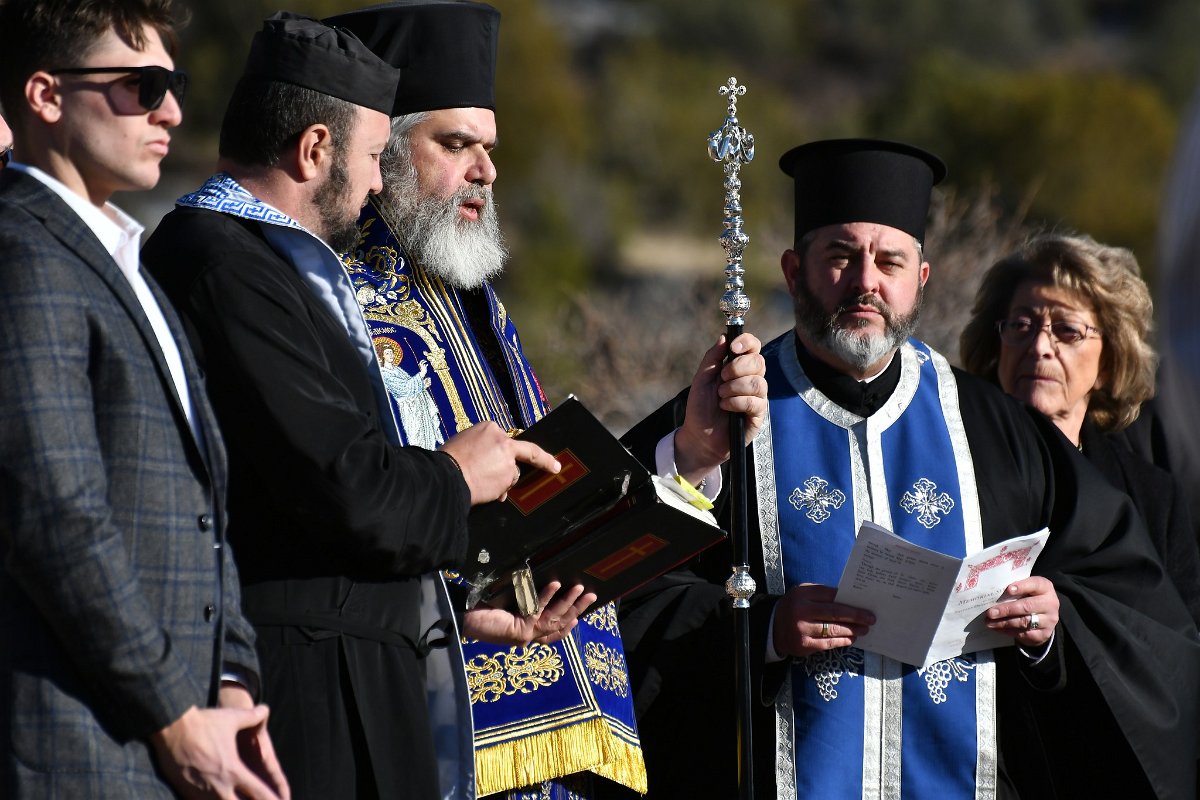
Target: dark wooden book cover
x: 603, y: 521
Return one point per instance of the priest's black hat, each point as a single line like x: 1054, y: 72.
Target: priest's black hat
x: 446, y: 50
x: 299, y: 50
x: 862, y: 180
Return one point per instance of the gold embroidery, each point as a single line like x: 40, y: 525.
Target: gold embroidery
x: 604, y: 618
x: 520, y: 670
x: 606, y: 668
x: 380, y: 260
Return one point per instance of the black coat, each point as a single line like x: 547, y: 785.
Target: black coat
x: 1160, y: 500
x: 332, y: 526
x: 1125, y: 641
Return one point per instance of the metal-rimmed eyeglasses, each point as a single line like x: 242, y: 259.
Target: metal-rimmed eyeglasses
x: 153, y: 81
x: 1020, y: 331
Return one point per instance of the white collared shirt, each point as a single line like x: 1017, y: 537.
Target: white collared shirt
x: 121, y: 236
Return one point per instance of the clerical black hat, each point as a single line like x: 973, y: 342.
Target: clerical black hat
x: 446, y: 50
x: 862, y: 180
x: 295, y: 49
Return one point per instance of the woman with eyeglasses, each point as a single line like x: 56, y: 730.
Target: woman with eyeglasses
x: 1063, y: 325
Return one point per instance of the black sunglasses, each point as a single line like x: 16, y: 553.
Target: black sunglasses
x: 153, y: 82
x: 5, y: 156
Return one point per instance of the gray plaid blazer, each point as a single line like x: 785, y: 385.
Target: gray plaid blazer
x: 118, y: 598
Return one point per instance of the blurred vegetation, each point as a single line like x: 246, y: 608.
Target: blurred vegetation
x: 1049, y: 114
x: 1082, y: 150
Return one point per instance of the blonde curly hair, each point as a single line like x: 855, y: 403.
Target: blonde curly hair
x: 1109, y: 280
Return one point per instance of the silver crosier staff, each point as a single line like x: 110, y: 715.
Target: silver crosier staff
x: 732, y: 146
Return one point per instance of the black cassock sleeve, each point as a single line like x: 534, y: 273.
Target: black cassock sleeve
x: 312, y: 473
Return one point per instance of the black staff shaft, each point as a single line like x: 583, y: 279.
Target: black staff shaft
x: 732, y: 146
x: 738, y: 498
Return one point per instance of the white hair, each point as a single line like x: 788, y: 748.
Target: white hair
x: 463, y: 253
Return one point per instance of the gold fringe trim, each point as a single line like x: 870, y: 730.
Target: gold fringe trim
x: 530, y: 760
x: 626, y: 767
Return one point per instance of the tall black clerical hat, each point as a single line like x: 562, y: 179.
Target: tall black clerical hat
x: 862, y: 180
x: 446, y: 50
x: 295, y: 49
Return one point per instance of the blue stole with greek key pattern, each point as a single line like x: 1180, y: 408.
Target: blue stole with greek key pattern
x: 543, y: 711
x: 863, y: 725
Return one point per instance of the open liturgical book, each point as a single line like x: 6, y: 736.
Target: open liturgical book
x: 603, y: 521
x: 929, y: 606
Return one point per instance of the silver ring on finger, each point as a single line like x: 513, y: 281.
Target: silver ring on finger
x: 1034, y: 623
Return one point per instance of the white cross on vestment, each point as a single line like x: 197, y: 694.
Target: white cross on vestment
x: 924, y: 498
x: 815, y: 501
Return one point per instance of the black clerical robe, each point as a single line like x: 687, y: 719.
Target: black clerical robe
x: 1125, y: 640
x: 331, y: 525
x: 1159, y: 498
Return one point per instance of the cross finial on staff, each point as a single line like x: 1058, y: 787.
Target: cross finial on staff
x: 734, y: 91
x: 731, y: 145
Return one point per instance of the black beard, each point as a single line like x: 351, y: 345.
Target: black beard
x: 340, y: 232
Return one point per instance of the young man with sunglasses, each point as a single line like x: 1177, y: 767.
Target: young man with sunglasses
x: 127, y: 667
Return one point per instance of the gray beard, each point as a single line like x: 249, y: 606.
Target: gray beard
x: 858, y: 349
x: 463, y: 253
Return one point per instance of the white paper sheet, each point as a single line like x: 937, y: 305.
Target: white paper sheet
x: 929, y: 606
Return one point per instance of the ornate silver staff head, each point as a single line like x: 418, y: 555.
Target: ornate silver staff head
x: 733, y: 145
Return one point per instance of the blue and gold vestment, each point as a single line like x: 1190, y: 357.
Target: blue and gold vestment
x: 451, y: 359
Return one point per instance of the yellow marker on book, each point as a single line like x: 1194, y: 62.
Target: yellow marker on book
x: 692, y: 494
